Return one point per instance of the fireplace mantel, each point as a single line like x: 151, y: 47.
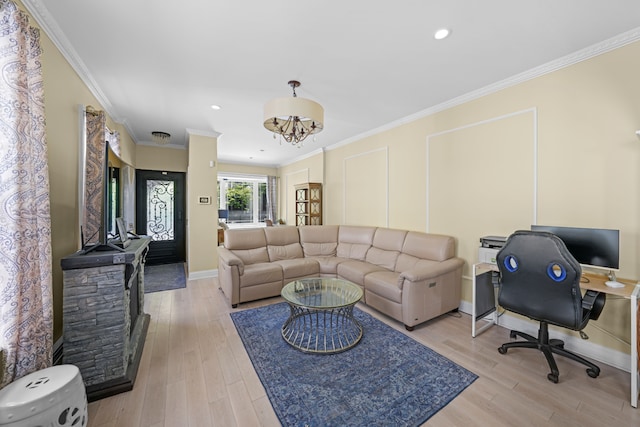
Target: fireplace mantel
x: 104, y: 321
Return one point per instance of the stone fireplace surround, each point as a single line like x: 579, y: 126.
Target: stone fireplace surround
x: 104, y: 321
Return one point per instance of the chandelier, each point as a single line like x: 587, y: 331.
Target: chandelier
x: 293, y: 118
x: 161, y: 138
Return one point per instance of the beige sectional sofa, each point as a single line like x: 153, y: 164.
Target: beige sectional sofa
x: 407, y: 275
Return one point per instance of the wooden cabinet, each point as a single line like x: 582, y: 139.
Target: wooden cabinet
x: 309, y: 203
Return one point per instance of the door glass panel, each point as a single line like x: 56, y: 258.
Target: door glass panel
x: 160, y: 202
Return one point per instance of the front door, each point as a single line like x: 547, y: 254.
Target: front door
x: 160, y: 206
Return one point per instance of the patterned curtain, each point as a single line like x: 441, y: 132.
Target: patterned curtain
x: 272, y: 200
x: 95, y: 161
x: 26, y: 313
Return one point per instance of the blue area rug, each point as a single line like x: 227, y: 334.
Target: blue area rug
x: 164, y: 277
x: 388, y: 379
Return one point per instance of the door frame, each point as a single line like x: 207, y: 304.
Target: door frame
x: 179, y: 215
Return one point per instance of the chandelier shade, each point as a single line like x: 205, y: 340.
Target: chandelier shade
x: 293, y: 118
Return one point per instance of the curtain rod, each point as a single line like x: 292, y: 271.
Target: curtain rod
x: 91, y: 110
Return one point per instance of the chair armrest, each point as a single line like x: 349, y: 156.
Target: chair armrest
x: 422, y: 273
x: 593, y: 301
x: 229, y: 258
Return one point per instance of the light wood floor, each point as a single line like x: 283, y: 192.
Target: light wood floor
x: 195, y: 372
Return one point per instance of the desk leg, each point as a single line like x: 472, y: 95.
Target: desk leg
x: 473, y: 302
x: 634, y: 347
x: 475, y: 331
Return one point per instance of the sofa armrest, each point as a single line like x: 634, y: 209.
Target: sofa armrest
x: 430, y: 292
x: 229, y: 258
x: 422, y: 273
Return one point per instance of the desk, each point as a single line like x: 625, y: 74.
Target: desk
x: 492, y: 319
x: 630, y: 291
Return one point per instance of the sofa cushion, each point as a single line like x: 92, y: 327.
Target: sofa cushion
x: 386, y: 259
x: 385, y: 284
x: 297, y: 268
x: 435, y: 247
x: 280, y: 236
x: 252, y: 256
x: 407, y: 262
x: 389, y: 239
x: 354, y: 241
x: 250, y: 238
x: 319, y: 240
x: 248, y: 245
x: 387, y: 244
x: 292, y: 251
x: 257, y: 274
x: 283, y: 243
x: 328, y: 265
x: 355, y: 271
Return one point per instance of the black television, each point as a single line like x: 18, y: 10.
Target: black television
x: 94, y: 184
x: 591, y: 247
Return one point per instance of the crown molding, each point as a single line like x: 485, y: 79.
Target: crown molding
x: 600, y: 48
x: 208, y: 133
x: 244, y: 163
x: 156, y: 145
x: 39, y: 11
x: 304, y: 156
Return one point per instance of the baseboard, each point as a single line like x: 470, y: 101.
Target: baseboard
x: 204, y: 274
x: 585, y: 348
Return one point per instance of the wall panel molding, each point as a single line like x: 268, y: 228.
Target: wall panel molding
x: 371, y: 189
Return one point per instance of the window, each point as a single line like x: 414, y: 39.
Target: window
x: 244, y: 197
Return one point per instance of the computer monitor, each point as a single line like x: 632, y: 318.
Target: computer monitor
x: 223, y: 214
x: 591, y: 247
x: 123, y: 236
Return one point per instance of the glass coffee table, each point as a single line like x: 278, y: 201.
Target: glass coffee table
x: 321, y: 319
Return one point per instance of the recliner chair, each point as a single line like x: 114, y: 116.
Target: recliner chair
x: 540, y: 279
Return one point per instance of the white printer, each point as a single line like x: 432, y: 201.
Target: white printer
x: 489, y: 247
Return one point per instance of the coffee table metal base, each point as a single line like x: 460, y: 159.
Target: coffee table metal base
x: 325, y: 331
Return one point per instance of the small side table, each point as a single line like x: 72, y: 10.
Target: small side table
x: 321, y: 319
x: 48, y: 397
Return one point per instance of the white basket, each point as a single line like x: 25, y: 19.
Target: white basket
x: 51, y: 397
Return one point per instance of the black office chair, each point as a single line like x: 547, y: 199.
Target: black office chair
x: 540, y: 279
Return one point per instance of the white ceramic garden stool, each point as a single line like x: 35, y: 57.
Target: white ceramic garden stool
x: 51, y: 397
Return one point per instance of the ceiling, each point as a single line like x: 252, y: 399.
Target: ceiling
x: 160, y: 65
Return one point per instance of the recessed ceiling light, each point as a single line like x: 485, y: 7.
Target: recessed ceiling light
x: 215, y: 107
x: 441, y: 34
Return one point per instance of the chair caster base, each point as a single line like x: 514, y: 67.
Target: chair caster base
x: 593, y: 373
x: 556, y: 343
